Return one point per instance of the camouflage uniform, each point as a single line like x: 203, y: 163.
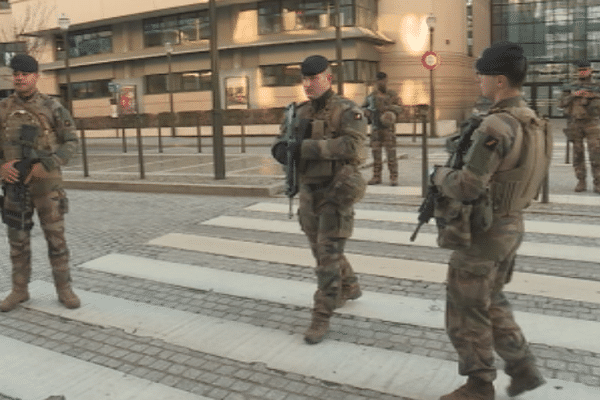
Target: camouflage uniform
x: 330, y: 184
x: 383, y: 134
x: 583, y: 122
x: 479, y: 319
x: 55, y: 145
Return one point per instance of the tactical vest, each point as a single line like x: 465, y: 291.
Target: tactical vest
x: 326, y: 124
x: 16, y: 118
x: 515, y: 188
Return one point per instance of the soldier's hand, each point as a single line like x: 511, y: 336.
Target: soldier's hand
x: 9, y: 173
x: 37, y: 171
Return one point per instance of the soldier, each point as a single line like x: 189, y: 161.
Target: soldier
x: 330, y: 183
x: 503, y: 170
x: 581, y: 103
x: 37, y: 137
x: 381, y: 107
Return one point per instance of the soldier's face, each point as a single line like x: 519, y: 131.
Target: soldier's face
x: 25, y: 82
x: 488, y: 85
x: 382, y: 84
x: 316, y: 85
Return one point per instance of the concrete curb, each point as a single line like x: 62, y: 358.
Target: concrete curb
x: 176, y: 188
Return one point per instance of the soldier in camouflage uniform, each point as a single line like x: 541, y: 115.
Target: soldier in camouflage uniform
x: 508, y: 158
x: 54, y: 144
x: 581, y: 103
x: 381, y: 107
x: 330, y: 183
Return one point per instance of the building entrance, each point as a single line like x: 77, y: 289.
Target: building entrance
x: 543, y: 98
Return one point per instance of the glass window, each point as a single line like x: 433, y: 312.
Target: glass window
x: 290, y: 15
x: 176, y: 29
x: 191, y: 81
x: 156, y: 84
x: 88, y: 90
x: 9, y: 50
x: 281, y: 75
x: 89, y: 42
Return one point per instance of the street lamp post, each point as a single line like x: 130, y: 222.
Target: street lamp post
x: 169, y: 51
x: 431, y: 25
x: 64, y: 22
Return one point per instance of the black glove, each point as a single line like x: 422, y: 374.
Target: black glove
x: 279, y: 152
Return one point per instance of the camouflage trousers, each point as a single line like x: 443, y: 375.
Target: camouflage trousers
x: 50, y: 208
x: 577, y: 131
x: 384, y: 138
x: 479, y: 318
x: 327, y: 227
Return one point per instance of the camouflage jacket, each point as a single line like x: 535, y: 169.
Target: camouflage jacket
x: 376, y: 103
x: 495, y: 149
x: 59, y: 139
x: 337, y: 137
x: 578, y: 107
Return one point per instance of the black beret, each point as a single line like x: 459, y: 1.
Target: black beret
x: 314, y: 65
x: 24, y: 63
x: 583, y: 64
x: 381, y: 75
x: 503, y: 58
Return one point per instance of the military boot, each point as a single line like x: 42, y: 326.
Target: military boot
x: 19, y: 292
x: 350, y: 291
x: 581, y: 186
x: 524, y: 379
x: 474, y: 389
x: 375, y: 180
x: 66, y: 296
x: 318, y: 328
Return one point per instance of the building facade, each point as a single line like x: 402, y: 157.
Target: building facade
x: 555, y: 34
x: 141, y: 54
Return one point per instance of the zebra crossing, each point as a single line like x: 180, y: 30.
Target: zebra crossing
x: 354, y: 355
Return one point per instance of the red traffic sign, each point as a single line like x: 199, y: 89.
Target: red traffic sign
x: 430, y: 60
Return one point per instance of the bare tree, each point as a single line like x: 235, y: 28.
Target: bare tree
x: 28, y: 26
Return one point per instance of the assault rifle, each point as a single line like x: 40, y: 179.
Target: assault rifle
x: 459, y: 145
x: 294, y: 139
x: 18, y: 192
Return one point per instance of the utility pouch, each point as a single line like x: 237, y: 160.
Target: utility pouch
x: 482, y: 213
x: 453, y: 220
x: 63, y: 202
x: 16, y: 214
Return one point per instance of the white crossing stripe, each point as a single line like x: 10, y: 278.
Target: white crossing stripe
x: 575, y: 334
x: 524, y: 283
x: 587, y: 199
x: 366, y: 367
x: 29, y: 372
x: 543, y: 250
x: 553, y: 228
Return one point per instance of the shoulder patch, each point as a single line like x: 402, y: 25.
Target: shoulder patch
x: 357, y: 116
x: 490, y: 142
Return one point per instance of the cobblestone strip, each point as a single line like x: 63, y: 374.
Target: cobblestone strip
x: 583, y: 366
x: 170, y: 365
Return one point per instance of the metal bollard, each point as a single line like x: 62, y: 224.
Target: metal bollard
x: 124, y: 141
x: 86, y: 172
x: 160, y: 148
x: 425, y: 167
x: 138, y: 129
x: 243, y: 138
x: 198, y: 133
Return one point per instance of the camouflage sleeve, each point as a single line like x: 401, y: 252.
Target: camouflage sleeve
x: 491, y: 142
x: 396, y: 99
x: 66, y: 137
x: 348, y: 145
x: 565, y: 99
